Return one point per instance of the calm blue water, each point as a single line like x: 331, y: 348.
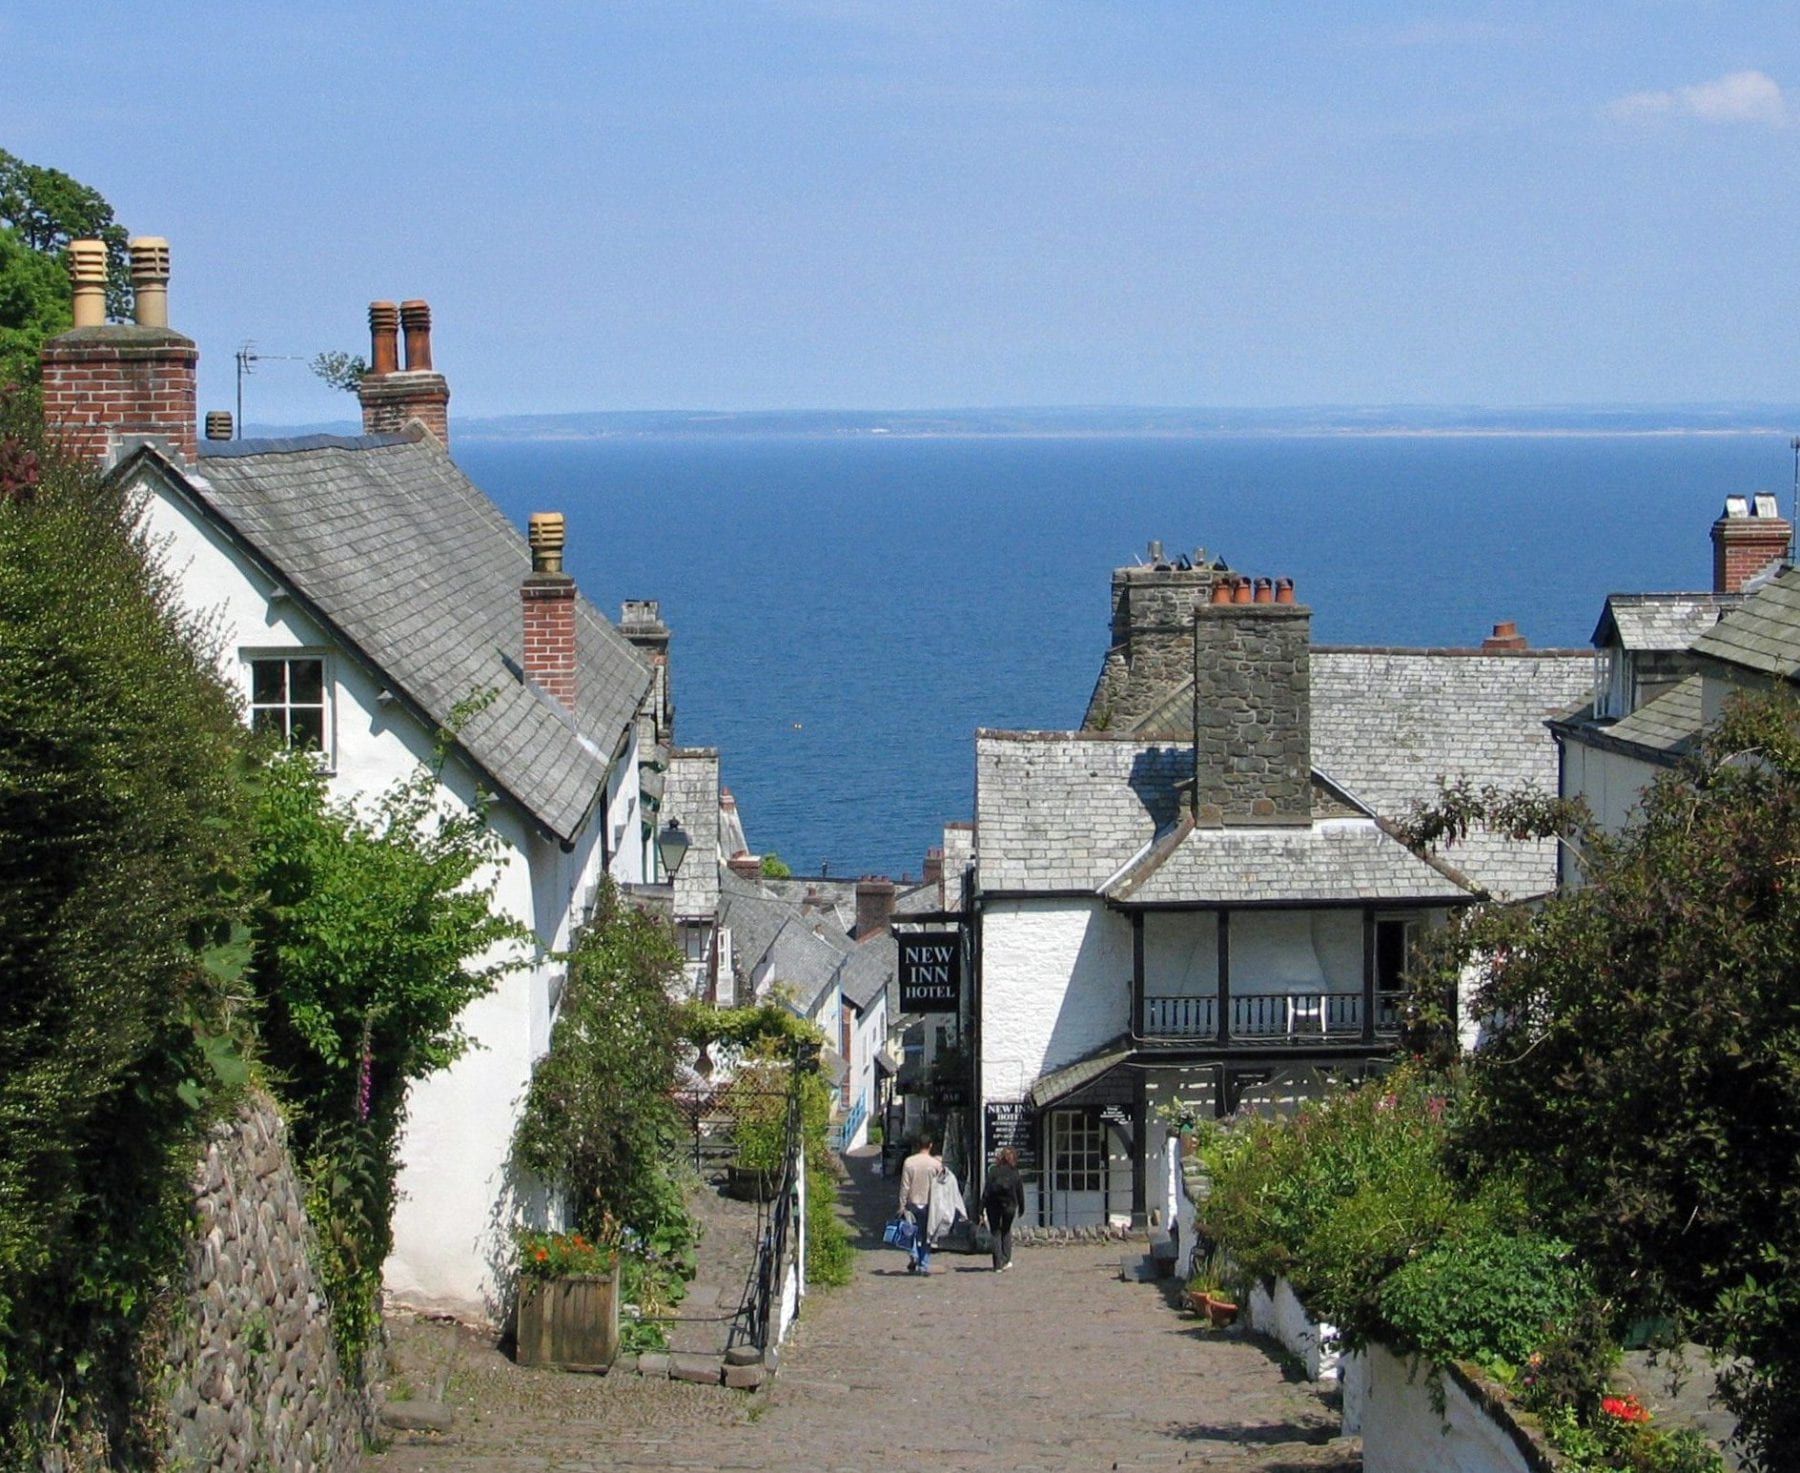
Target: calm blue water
x: 847, y: 611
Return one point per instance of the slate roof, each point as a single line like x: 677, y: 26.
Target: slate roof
x: 1346, y: 860
x: 1387, y: 725
x: 805, y: 957
x: 1669, y: 724
x: 1660, y: 621
x: 1762, y: 635
x: 406, y: 559
x: 1063, y: 812
x: 869, y: 969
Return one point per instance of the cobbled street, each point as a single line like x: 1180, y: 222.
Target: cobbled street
x: 1056, y: 1365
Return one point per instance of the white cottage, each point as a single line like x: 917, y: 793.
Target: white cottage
x: 1200, y: 896
x: 362, y: 589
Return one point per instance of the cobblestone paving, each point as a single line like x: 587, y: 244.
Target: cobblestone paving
x: 1055, y: 1365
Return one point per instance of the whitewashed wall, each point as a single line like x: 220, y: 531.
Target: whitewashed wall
x: 1402, y: 1433
x: 1612, y: 784
x: 452, y: 1220
x: 1056, y: 984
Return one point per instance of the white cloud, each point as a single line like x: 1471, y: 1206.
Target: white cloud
x: 1737, y: 97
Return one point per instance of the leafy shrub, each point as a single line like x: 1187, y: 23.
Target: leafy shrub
x: 1336, y: 1198
x: 1491, y: 1297
x: 121, y: 806
x: 375, y: 929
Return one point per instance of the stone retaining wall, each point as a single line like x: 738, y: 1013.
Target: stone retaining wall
x: 253, y: 1378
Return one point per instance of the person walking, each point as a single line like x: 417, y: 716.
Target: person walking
x: 917, y: 1174
x: 1003, y: 1199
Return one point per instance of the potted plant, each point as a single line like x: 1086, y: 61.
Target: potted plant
x: 568, y: 1301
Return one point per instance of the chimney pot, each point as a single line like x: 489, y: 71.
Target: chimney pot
x: 87, y: 269
x: 1506, y: 636
x: 1284, y: 590
x: 745, y: 865
x: 1748, y: 537
x: 549, y: 533
x: 1242, y: 592
x: 1221, y: 591
x: 1265, y: 591
x: 218, y: 424
x: 415, y: 321
x: 384, y: 347
x: 150, y: 280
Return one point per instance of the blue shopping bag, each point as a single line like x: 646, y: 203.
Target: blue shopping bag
x: 900, y: 1233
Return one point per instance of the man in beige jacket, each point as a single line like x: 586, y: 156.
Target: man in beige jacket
x: 921, y: 1169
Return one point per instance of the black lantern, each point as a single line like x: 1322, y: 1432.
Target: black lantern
x: 672, y: 847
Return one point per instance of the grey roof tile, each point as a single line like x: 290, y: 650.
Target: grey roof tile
x: 1670, y: 723
x: 1660, y: 621
x: 420, y: 571
x: 1390, y: 725
x: 1345, y: 860
x: 1763, y: 635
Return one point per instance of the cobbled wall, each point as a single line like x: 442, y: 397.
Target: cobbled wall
x: 253, y: 1375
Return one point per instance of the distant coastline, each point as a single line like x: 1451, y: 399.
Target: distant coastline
x: 1114, y: 423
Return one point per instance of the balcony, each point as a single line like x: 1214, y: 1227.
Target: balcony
x: 1270, y: 1017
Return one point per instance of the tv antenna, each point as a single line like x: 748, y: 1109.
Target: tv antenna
x: 248, y: 358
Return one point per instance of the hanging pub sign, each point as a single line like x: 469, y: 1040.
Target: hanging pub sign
x: 930, y: 972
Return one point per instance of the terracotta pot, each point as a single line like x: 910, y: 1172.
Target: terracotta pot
x: 1221, y: 1312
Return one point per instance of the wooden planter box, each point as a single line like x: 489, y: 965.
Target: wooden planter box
x: 569, y: 1324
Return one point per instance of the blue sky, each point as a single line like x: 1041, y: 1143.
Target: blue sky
x: 626, y: 204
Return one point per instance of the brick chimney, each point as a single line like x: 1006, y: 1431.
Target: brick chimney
x: 933, y: 872
x: 1505, y: 637
x: 392, y: 396
x: 106, y: 384
x: 548, y: 594
x: 1749, y: 536
x: 874, y: 906
x: 1252, y: 710
x: 745, y: 865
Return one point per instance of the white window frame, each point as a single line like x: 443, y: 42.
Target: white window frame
x: 251, y: 658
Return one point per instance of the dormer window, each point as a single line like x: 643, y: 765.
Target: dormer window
x: 1619, y: 696
x: 289, y: 699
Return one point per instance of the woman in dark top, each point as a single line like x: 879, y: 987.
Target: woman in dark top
x: 1003, y: 1199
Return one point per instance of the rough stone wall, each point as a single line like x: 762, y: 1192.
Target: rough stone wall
x: 1152, y: 641
x: 1253, y: 671
x: 254, y: 1381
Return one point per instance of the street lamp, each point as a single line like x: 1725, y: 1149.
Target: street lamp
x: 672, y: 847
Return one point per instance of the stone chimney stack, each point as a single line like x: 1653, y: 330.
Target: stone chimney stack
x: 640, y: 621
x: 1152, y: 633
x: 1749, y: 535
x: 1252, y: 711
x: 548, y: 595
x: 745, y: 866
x: 108, y: 384
x: 392, y: 396
x: 1505, y: 637
x: 874, y: 907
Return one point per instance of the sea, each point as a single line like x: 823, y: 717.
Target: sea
x: 847, y: 609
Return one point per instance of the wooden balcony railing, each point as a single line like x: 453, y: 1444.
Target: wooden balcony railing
x: 1262, y: 1017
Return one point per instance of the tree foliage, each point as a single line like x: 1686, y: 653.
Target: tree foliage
x: 374, y: 928
x: 599, y: 1123
x: 343, y: 371
x: 1642, y: 1067
x: 41, y: 211
x: 121, y: 806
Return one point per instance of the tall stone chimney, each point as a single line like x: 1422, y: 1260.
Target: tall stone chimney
x: 1152, y: 632
x: 108, y: 384
x: 548, y: 595
x: 1252, y: 712
x: 1749, y: 535
x: 392, y: 396
x: 640, y: 621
